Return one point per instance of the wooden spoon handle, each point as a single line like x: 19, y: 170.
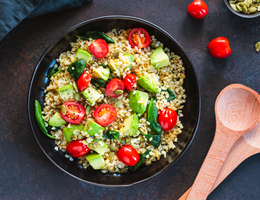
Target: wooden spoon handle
x: 212, y: 164
x: 240, y: 151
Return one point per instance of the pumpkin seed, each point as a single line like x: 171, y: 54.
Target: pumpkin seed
x: 118, y: 92
x: 74, y: 84
x: 102, y: 90
x: 77, y: 96
x: 232, y: 2
x: 116, y: 54
x: 113, y: 148
x: 244, y: 9
x: 257, y: 46
x: 87, y: 110
x: 252, y: 9
x: 112, y: 100
x: 118, y: 104
x: 233, y: 6
x: 242, y: 4
x: 63, y: 110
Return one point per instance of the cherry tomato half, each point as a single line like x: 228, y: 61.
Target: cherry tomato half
x: 75, y: 112
x: 76, y: 148
x: 105, y: 114
x: 113, y: 85
x: 128, y: 155
x: 167, y: 119
x: 198, y: 9
x: 83, y: 81
x: 99, y: 48
x: 139, y: 37
x: 129, y: 81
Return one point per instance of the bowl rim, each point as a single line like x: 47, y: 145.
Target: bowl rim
x: 241, y: 14
x: 107, y: 17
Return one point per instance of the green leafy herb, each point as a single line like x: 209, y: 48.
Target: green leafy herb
x: 106, y: 66
x: 110, y: 134
x: 152, y: 115
x: 153, y: 139
x: 53, y: 71
x: 96, y: 35
x: 77, y: 68
x: 171, y: 94
x: 140, y: 162
x: 98, y: 82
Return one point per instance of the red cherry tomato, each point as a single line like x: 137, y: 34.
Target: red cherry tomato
x: 105, y: 114
x: 113, y: 85
x: 198, y: 9
x: 219, y: 47
x: 75, y: 112
x: 167, y: 119
x: 128, y: 155
x: 129, y: 81
x: 83, y: 81
x: 139, y: 37
x: 99, y: 48
x: 76, y: 148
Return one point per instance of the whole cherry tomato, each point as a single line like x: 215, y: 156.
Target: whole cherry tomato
x: 74, y: 112
x: 139, y: 37
x: 129, y: 81
x: 83, y: 81
x: 128, y: 155
x: 76, y: 148
x: 198, y: 9
x: 99, y: 48
x: 105, y: 114
x: 219, y: 47
x: 167, y: 119
x: 113, y: 85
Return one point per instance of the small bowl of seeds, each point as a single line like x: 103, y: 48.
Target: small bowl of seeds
x: 244, y: 8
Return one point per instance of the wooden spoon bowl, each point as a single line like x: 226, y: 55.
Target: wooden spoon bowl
x: 237, y: 110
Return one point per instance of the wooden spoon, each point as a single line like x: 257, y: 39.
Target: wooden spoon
x: 237, y: 110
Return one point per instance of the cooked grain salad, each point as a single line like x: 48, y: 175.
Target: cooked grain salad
x: 114, y: 100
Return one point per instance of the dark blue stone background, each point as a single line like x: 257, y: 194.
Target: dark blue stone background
x: 26, y: 173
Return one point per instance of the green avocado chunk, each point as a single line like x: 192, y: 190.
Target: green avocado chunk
x: 114, y: 67
x: 92, y: 128
x: 82, y: 54
x: 68, y: 131
x: 130, y: 125
x: 101, y: 73
x: 67, y: 92
x: 149, y: 83
x: 91, y: 95
x: 138, y: 101
x: 96, y: 160
x: 56, y: 120
x: 159, y: 58
x: 98, y: 146
x: 130, y: 58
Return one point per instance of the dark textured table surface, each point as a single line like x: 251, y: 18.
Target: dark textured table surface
x: 26, y: 173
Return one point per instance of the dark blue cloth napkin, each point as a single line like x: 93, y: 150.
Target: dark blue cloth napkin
x: 12, y: 12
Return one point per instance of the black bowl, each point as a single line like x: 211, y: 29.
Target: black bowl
x: 257, y: 14
x: 191, y: 109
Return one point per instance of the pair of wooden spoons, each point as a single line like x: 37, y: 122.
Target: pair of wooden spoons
x: 237, y: 110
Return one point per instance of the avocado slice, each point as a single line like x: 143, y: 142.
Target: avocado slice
x: 138, y: 101
x: 68, y: 131
x: 101, y: 73
x: 130, y: 125
x: 159, y: 58
x: 92, y: 127
x: 149, y: 83
x: 112, y: 64
x: 82, y: 54
x: 95, y: 160
x: 98, y: 146
x: 67, y: 92
x: 130, y: 58
x: 91, y: 94
x: 56, y: 120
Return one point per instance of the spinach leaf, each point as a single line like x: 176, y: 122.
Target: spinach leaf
x: 53, y: 71
x: 140, y: 162
x: 77, y: 68
x: 98, y: 82
x: 96, y: 35
x: 171, y: 94
x: 110, y: 134
x: 152, y: 115
x: 155, y: 141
